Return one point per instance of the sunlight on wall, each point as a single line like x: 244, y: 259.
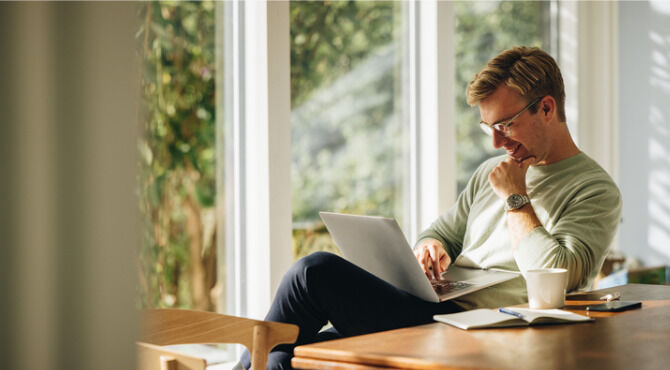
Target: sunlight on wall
x: 644, y: 116
x: 568, y: 60
x: 659, y: 139
x: 660, y: 6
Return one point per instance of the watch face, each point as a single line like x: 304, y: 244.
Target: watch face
x: 515, y: 201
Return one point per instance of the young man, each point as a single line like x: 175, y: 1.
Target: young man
x: 544, y: 204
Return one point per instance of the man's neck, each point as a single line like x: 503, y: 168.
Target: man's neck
x: 563, y: 146
x: 566, y: 153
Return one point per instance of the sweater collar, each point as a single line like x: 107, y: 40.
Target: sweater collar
x: 557, y: 166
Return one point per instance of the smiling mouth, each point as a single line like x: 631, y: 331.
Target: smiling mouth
x: 513, y: 152
x: 517, y: 156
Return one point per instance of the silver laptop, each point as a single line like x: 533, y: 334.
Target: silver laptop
x: 377, y: 245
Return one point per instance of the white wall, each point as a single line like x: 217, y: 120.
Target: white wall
x: 644, y: 127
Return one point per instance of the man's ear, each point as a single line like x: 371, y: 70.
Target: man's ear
x: 548, y: 107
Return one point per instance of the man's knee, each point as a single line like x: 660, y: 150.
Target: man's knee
x: 311, y: 270
x: 315, y: 262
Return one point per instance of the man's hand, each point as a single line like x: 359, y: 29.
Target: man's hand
x: 509, y: 177
x: 432, y: 258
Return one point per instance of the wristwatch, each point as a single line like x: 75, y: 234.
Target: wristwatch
x: 516, y: 201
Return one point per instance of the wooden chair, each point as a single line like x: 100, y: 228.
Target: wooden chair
x: 161, y: 327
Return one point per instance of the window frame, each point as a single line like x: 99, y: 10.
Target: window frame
x: 432, y: 98
x: 256, y: 170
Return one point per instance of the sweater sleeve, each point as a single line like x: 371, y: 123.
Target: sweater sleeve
x: 450, y: 227
x: 580, y: 238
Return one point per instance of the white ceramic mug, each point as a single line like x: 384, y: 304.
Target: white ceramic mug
x: 546, y: 288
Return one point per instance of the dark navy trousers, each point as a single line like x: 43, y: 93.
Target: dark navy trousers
x: 324, y: 287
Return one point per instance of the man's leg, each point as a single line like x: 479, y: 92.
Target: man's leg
x: 323, y: 287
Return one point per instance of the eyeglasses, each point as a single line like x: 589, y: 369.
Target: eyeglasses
x: 503, y: 126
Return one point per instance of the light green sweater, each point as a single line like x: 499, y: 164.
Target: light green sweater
x: 576, y: 201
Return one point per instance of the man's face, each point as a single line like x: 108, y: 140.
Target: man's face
x: 526, y: 136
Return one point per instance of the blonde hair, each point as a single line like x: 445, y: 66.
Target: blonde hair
x: 531, y: 72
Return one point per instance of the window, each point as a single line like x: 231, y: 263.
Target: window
x: 351, y: 141
x: 348, y: 136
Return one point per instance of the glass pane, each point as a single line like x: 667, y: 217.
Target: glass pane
x: 484, y: 29
x: 177, y: 157
x: 347, y: 132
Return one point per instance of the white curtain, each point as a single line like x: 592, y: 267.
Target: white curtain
x: 68, y: 222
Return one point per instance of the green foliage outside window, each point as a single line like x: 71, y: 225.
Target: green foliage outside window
x: 346, y: 123
x: 177, y: 257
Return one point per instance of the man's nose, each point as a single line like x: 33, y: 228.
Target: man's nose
x: 498, y: 139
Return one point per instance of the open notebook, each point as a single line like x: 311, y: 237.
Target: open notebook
x: 493, y: 318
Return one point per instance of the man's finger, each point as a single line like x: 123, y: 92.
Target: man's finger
x: 424, y: 255
x: 435, y: 261
x: 443, y: 263
x: 425, y: 270
x: 424, y: 261
x: 436, y: 269
x: 528, y: 161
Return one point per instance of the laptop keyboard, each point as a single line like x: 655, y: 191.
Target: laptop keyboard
x: 446, y: 286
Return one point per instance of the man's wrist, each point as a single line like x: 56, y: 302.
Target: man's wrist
x: 523, y: 208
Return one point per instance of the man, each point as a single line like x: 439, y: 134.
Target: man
x: 569, y: 207
x: 544, y: 204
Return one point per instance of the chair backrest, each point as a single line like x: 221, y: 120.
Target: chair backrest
x: 171, y: 326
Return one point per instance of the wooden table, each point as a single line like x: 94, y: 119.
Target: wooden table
x: 636, y: 339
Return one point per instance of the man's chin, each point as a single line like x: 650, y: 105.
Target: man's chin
x: 518, y: 154
x: 516, y: 157
x: 520, y: 158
